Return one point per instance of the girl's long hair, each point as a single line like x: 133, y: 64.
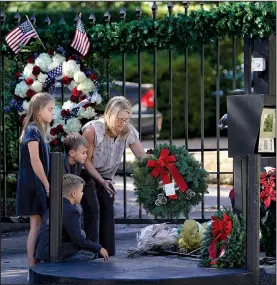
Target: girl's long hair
x: 113, y: 107
x: 39, y: 101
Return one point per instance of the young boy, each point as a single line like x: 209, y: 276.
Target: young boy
x: 74, y: 245
x: 76, y: 147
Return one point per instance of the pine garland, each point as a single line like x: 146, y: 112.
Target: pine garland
x: 147, y: 187
x: 234, y: 256
x: 171, y: 32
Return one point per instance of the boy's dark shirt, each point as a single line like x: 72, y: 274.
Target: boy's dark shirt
x: 71, y: 169
x: 72, y: 238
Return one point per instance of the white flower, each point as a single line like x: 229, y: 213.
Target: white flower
x: 72, y: 125
x: 37, y: 86
x: 71, y: 85
x: 28, y: 71
x: 96, y: 98
x: 86, y: 86
x: 43, y: 61
x: 25, y: 105
x: 70, y: 68
x: 58, y: 59
x: 79, y: 76
x: 87, y: 113
x: 42, y: 77
x: 21, y: 89
x: 22, y: 113
x: 68, y: 105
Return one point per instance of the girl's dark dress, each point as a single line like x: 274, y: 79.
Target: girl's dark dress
x: 30, y: 194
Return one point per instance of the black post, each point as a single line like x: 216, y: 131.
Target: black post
x: 170, y: 8
x: 55, y: 223
x: 107, y: 17
x: 2, y: 142
x: 253, y: 216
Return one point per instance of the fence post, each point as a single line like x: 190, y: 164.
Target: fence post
x: 55, y: 223
x: 253, y: 216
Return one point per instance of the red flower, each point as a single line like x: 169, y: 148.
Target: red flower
x: 73, y: 99
x: 93, y: 76
x: 50, y: 51
x: 36, y: 70
x: 30, y: 59
x: 60, y: 129
x: 89, y: 105
x: 71, y: 58
x: 17, y: 74
x: 83, y: 97
x: 66, y: 80
x: 268, y: 195
x: 55, y: 142
x: 53, y: 131
x: 29, y: 81
x: 232, y: 194
x: 65, y: 113
x: 263, y: 175
x: 76, y: 93
x: 30, y: 93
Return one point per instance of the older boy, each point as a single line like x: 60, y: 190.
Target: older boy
x: 75, y: 246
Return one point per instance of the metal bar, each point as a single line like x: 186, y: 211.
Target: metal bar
x: 217, y: 119
x: 154, y: 11
x: 253, y: 216
x: 124, y: 154
x: 1, y: 114
x: 202, y: 98
x: 234, y: 55
x: 108, y: 76
x: 138, y: 11
x: 56, y: 212
x: 170, y: 95
x: 186, y: 91
x: 247, y: 65
x: 4, y: 141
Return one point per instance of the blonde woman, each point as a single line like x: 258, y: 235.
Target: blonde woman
x: 107, y: 137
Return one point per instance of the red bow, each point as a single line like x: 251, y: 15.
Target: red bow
x: 221, y: 229
x: 167, y: 161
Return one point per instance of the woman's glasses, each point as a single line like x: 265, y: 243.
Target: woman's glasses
x: 122, y: 120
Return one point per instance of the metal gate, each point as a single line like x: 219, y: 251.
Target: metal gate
x: 230, y: 73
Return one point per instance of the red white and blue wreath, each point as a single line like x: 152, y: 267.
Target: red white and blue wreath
x: 41, y: 73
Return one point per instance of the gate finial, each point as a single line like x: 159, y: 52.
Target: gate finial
x: 17, y: 16
x: 92, y: 18
x: 2, y: 16
x: 33, y: 19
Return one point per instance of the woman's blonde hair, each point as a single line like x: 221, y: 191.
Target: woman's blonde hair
x: 113, y: 107
x: 38, y: 101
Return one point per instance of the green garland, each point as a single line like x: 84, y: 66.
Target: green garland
x: 171, y: 32
x: 147, y: 188
x: 234, y: 256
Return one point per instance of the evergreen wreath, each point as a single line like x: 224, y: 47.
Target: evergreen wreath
x: 229, y: 241
x: 156, y: 170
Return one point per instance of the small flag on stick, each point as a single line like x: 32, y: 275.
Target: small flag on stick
x: 80, y: 41
x: 20, y: 36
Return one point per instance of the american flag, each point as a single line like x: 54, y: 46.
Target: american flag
x: 80, y: 41
x: 20, y: 36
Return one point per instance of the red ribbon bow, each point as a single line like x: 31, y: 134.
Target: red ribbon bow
x: 221, y: 229
x: 164, y: 162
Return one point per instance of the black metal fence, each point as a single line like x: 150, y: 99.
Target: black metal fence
x: 8, y: 171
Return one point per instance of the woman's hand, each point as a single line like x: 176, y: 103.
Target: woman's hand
x: 108, y: 185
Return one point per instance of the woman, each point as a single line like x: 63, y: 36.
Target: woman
x: 107, y: 140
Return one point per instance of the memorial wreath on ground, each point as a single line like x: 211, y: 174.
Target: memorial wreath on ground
x: 169, y: 182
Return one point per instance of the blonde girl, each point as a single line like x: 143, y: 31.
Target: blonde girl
x: 32, y: 183
x: 107, y: 137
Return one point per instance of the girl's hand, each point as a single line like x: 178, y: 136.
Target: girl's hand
x: 47, y: 188
x: 108, y: 185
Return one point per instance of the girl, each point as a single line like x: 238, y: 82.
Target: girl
x: 107, y: 140
x: 32, y: 183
